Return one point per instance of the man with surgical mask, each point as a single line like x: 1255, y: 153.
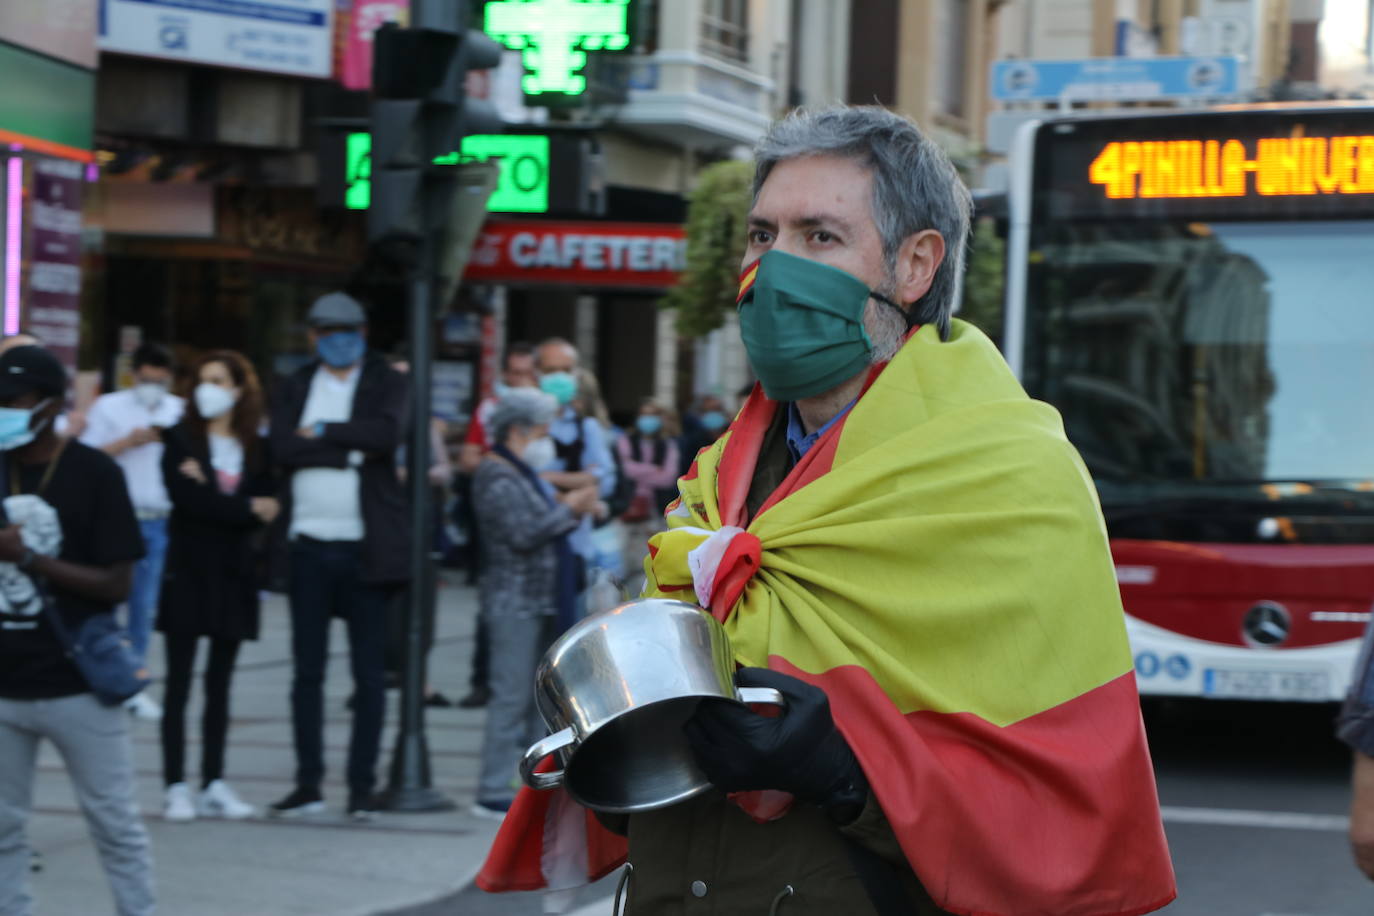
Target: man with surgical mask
x: 336, y: 426
x: 582, y: 452
x: 70, y: 532
x: 128, y: 425
x: 908, y: 550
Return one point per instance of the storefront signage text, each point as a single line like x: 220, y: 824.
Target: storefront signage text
x: 578, y: 253
x: 522, y: 187
x: 281, y: 36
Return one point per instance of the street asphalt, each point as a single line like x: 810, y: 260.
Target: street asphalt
x: 1254, y: 798
x: 316, y: 866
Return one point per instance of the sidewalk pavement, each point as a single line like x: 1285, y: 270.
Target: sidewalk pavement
x: 409, y: 864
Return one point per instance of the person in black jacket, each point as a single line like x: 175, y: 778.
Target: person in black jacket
x: 336, y: 425
x: 215, y: 466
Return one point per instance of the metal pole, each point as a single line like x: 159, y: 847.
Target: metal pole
x: 410, y: 788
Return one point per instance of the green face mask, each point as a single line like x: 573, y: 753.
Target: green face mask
x: 802, y: 324
x: 562, y: 385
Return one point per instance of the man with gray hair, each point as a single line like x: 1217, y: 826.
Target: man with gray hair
x: 525, y: 578
x: 907, y: 549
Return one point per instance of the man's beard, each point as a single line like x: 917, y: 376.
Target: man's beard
x: 886, y: 327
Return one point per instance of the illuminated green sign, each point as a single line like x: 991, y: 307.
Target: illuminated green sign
x: 358, y: 171
x: 523, y: 186
x: 555, y: 36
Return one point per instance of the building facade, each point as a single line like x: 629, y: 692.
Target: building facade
x: 48, y: 58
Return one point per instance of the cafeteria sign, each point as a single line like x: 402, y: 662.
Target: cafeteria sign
x: 589, y: 254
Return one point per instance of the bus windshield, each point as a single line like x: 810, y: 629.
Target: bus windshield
x: 1195, y: 357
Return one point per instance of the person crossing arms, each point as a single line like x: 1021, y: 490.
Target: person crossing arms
x: 217, y: 472
x: 127, y: 425
x: 336, y: 427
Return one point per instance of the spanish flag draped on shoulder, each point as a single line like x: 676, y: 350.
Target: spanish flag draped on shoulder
x: 937, y: 563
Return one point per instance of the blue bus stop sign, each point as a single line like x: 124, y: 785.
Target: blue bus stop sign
x: 1115, y: 79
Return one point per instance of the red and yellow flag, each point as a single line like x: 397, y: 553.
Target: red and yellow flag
x: 937, y: 563
x: 746, y: 280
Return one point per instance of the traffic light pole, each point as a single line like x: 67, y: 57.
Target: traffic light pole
x: 419, y: 112
x: 411, y: 787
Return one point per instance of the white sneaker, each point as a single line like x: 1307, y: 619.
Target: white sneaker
x: 178, y: 805
x: 144, y: 707
x: 218, y: 800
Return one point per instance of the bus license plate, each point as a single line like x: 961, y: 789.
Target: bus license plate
x: 1242, y: 684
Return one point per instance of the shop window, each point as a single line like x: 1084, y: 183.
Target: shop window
x: 951, y: 61
x: 725, y: 29
x: 646, y: 26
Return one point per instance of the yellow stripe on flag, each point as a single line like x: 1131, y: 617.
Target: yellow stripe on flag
x: 962, y: 560
x: 746, y: 281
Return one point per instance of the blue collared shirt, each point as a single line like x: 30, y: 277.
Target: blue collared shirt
x: 596, y: 459
x: 798, y: 442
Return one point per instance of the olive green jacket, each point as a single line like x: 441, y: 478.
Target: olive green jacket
x: 706, y: 857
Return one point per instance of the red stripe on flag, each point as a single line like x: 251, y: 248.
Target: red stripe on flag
x: 515, y: 861
x: 1055, y: 815
x: 737, y: 566
x: 741, y: 455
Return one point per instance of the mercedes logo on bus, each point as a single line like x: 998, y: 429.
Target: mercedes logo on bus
x: 1266, y: 625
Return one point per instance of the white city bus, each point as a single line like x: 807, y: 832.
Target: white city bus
x: 1194, y: 291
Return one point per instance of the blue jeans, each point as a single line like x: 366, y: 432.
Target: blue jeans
x: 147, y: 585
x: 325, y: 585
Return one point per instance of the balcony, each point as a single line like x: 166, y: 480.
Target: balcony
x: 688, y: 99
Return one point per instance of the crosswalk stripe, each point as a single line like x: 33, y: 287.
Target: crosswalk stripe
x: 1236, y: 817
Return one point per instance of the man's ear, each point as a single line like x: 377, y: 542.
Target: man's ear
x: 917, y: 261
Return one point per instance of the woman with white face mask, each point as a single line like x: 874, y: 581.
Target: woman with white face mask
x: 218, y: 476
x: 528, y: 574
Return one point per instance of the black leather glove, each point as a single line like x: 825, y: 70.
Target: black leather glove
x: 799, y: 751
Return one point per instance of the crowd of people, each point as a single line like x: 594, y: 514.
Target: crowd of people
x: 175, y: 509
x: 563, y: 505
x: 939, y: 722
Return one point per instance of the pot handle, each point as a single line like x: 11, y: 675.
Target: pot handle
x: 541, y: 749
x: 764, y: 695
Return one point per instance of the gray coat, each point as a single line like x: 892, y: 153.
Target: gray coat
x: 520, y: 568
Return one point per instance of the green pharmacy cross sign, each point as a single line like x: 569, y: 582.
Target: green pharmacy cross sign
x: 521, y: 187
x: 554, y: 36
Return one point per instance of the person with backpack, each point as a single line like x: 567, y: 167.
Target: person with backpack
x: 649, y: 457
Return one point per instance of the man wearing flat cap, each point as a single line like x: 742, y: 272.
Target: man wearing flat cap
x: 69, y: 529
x: 336, y: 425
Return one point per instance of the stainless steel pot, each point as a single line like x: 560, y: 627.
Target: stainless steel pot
x: 616, y: 689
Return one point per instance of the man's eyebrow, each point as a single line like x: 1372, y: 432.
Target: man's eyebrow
x: 823, y: 219
x: 810, y: 221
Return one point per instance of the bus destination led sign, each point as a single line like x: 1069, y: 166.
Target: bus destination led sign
x: 1294, y: 166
